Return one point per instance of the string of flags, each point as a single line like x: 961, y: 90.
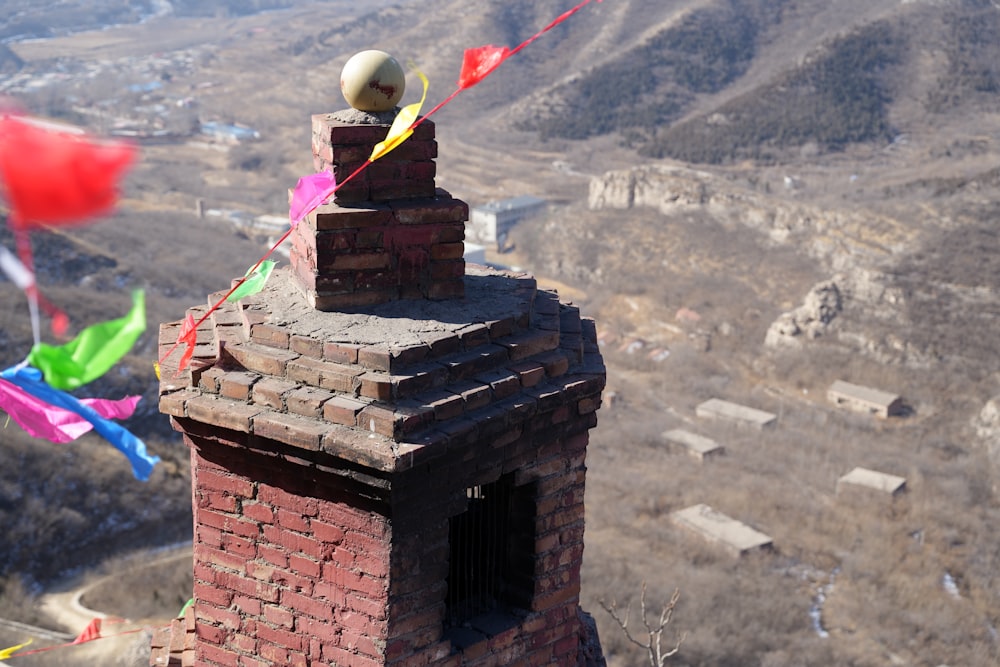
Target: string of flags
x: 312, y: 191
x: 59, y: 177
x: 92, y: 632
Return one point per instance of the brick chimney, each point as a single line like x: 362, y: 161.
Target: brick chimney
x: 388, y: 446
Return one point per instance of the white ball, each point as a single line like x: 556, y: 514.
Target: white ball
x: 372, y: 81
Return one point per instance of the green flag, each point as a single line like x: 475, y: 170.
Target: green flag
x: 254, y: 281
x: 93, y: 352
x: 187, y: 605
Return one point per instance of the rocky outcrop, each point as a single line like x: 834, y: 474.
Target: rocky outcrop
x: 844, y: 240
x: 810, y: 320
x: 987, y: 426
x: 863, y: 311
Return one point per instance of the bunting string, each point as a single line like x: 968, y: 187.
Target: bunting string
x: 477, y: 64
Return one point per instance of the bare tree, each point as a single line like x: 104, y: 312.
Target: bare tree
x: 654, y: 631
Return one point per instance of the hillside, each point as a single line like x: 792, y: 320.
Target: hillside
x: 775, y: 194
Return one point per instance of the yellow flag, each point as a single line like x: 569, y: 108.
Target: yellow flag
x: 400, y: 130
x: 9, y: 652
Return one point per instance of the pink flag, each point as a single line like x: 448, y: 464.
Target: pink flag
x: 310, y: 192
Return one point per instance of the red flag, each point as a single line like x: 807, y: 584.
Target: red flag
x: 189, y: 337
x: 90, y: 633
x: 58, y: 177
x: 478, y: 63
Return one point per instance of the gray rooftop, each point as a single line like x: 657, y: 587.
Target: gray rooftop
x: 719, y: 409
x: 717, y: 527
x: 862, y: 393
x: 696, y: 443
x: 878, y: 481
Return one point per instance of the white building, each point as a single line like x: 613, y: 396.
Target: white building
x: 865, y: 399
x: 697, y: 446
x: 716, y: 528
x: 864, y: 483
x: 717, y: 409
x: 492, y: 222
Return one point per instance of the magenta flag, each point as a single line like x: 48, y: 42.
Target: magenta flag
x: 310, y: 192
x: 43, y: 420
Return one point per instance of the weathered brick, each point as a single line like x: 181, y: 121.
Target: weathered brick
x: 174, y: 403
x: 221, y: 412
x: 375, y: 357
x: 324, y: 374
x: 304, y: 566
x: 378, y: 419
x: 308, y: 606
x: 259, y: 359
x: 529, y: 373
x: 237, y: 385
x: 270, y: 335
x: 310, y: 347
x: 442, y: 344
x: 478, y: 360
x: 524, y: 345
x: 271, y: 392
x: 332, y: 217
x: 307, y: 401
x: 474, y: 335
x: 258, y: 512
x: 209, y: 379
x: 436, y: 210
x: 503, y: 383
x: 341, y: 353
x: 289, y: 429
x: 343, y: 410
x: 376, y: 385
x: 277, y: 616
x: 356, y: 261
x: 445, y: 404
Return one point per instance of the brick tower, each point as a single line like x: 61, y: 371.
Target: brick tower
x: 387, y: 445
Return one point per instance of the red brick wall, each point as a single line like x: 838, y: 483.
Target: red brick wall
x: 389, y: 233
x: 291, y: 571
x: 309, y: 567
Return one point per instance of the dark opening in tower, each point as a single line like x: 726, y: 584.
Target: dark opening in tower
x: 491, y: 568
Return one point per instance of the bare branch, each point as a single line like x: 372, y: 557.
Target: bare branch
x: 654, y: 632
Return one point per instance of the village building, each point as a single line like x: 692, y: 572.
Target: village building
x: 697, y: 446
x: 734, y: 413
x: 733, y: 536
x: 490, y: 224
x: 863, y: 485
x: 865, y: 399
x: 388, y: 446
